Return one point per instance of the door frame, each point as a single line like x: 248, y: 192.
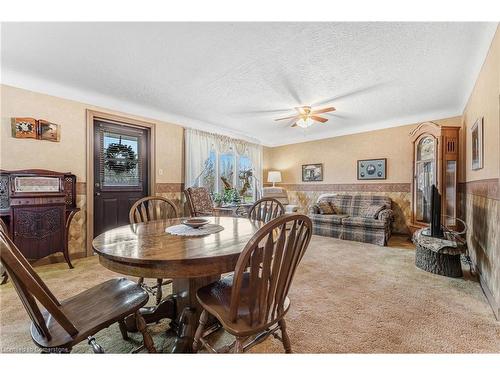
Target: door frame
x: 119, y: 120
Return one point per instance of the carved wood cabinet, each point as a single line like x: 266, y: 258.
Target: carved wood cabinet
x: 435, y: 162
x: 37, y: 206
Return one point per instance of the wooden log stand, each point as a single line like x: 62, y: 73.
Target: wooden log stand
x: 438, y: 255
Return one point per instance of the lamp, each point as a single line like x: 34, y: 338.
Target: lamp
x: 274, y: 176
x: 305, y: 122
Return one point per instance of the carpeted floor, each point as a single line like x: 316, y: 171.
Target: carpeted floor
x: 347, y: 297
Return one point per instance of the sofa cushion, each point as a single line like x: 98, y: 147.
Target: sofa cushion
x: 363, y: 222
x: 371, y: 211
x: 327, y: 219
x: 325, y: 208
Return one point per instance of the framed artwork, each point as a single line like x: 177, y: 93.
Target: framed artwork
x: 312, y: 172
x: 49, y: 131
x: 24, y: 127
x: 477, y: 142
x: 372, y: 169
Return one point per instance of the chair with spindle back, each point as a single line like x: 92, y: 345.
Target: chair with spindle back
x: 199, y: 201
x: 254, y: 300
x: 266, y: 209
x: 61, y: 325
x: 148, y: 209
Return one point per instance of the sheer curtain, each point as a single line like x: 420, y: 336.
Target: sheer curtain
x: 199, y: 144
x: 197, y: 148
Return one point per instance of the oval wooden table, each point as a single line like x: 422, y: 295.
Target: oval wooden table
x: 146, y: 250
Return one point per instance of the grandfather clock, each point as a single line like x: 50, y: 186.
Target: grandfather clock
x: 435, y: 162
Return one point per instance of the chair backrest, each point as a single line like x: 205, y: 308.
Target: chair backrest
x: 30, y: 288
x: 199, y: 201
x: 152, y: 208
x: 270, y: 258
x: 266, y: 209
x: 277, y: 193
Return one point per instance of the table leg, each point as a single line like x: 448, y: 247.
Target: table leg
x: 190, y: 310
x: 182, y: 308
x: 166, y: 309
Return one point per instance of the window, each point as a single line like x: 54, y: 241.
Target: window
x: 234, y: 169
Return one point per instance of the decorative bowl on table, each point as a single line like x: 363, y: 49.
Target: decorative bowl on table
x: 195, y: 223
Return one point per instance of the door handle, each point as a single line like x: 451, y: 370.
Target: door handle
x: 97, y: 194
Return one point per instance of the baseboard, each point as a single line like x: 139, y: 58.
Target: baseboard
x: 495, y: 306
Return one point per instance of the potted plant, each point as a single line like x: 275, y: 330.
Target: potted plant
x: 218, y: 199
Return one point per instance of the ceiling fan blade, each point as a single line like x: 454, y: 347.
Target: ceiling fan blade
x: 323, y: 110
x: 294, y: 125
x: 319, y: 119
x: 301, y: 110
x: 286, y: 118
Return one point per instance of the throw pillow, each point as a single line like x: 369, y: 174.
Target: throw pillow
x: 325, y: 208
x: 371, y: 211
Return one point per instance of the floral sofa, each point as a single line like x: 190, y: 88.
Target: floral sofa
x: 364, y: 218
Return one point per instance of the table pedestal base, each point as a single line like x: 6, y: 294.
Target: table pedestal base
x: 438, y: 263
x: 181, y: 307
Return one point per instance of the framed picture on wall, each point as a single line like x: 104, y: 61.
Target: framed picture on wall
x: 477, y: 143
x: 372, y: 169
x: 24, y: 127
x: 49, y: 131
x: 312, y: 172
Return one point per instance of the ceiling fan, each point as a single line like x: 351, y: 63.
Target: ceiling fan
x: 306, y: 116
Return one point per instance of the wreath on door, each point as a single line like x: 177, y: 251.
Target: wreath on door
x: 120, y: 158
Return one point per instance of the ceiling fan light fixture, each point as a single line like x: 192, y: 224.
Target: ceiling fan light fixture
x: 305, y: 122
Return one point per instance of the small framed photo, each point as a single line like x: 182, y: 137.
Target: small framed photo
x: 24, y: 127
x: 49, y: 131
x: 477, y: 143
x: 312, y: 172
x: 372, y: 169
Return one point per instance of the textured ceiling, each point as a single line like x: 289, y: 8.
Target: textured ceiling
x: 236, y: 77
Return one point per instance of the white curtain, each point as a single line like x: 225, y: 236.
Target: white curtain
x: 197, y: 150
x: 198, y: 145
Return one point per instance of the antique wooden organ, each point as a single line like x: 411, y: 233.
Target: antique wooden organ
x: 37, y: 206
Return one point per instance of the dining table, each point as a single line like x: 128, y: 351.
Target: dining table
x: 147, y: 250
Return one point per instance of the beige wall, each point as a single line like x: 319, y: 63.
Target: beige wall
x: 484, y: 102
x: 69, y: 155
x: 339, y: 155
x: 482, y: 193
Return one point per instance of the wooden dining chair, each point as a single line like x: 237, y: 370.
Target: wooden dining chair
x: 61, y: 325
x: 199, y: 201
x: 3, y: 272
x: 148, y: 209
x: 252, y: 303
x: 266, y: 209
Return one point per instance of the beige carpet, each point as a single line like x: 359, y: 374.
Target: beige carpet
x: 347, y: 297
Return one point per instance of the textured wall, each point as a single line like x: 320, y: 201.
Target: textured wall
x: 482, y: 186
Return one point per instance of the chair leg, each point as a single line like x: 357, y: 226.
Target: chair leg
x: 123, y: 329
x: 284, y: 336
x: 142, y: 327
x: 199, y: 330
x: 238, y: 345
x: 159, y: 283
x: 140, y: 280
x: 5, y: 277
x: 96, y: 348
